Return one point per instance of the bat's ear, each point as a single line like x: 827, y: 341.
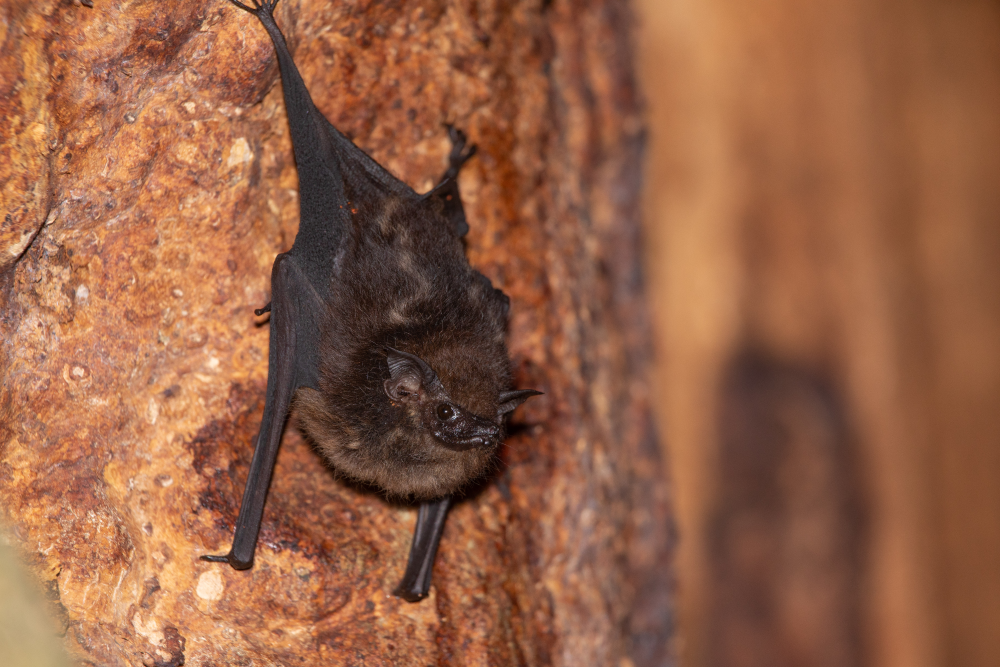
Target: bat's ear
x: 409, y: 376
x: 511, y: 399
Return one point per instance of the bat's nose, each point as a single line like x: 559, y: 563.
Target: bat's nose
x: 472, y: 432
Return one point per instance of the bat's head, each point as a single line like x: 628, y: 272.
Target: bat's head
x: 414, y: 385
x: 414, y: 438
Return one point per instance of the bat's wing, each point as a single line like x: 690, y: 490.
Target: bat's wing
x: 426, y: 536
x: 293, y: 362
x: 447, y: 188
x: 334, y: 174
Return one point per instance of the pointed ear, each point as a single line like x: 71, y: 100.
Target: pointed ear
x: 511, y: 399
x: 409, y: 376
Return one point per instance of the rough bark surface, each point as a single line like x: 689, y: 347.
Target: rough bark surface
x: 148, y: 183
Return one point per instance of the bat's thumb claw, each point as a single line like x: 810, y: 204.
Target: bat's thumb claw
x: 228, y: 558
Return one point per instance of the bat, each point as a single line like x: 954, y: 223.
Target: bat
x: 388, y: 344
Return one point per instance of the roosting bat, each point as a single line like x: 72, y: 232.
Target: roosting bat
x: 390, y: 345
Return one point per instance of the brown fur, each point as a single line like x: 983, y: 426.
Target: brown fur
x: 403, y: 282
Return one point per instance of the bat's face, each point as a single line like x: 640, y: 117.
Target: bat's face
x: 422, y: 443
x: 415, y: 388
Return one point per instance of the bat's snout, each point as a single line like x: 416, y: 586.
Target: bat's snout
x: 490, y: 441
x: 473, y: 433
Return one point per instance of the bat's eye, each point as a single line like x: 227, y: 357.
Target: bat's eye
x: 445, y: 412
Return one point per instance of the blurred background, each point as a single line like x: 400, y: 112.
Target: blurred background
x: 823, y: 250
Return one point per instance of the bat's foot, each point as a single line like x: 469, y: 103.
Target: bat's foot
x: 266, y: 7
x: 459, y: 155
x: 236, y: 563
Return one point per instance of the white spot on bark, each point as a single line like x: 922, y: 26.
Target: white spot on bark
x: 16, y: 249
x: 148, y: 629
x: 210, y: 586
x: 239, y: 153
x: 152, y: 411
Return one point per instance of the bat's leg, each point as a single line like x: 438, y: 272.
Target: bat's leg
x: 447, y: 188
x: 426, y: 535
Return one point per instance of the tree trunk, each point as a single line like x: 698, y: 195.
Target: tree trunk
x: 148, y: 184
x: 824, y: 213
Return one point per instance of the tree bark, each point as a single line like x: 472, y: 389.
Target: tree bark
x: 823, y: 222
x: 148, y: 184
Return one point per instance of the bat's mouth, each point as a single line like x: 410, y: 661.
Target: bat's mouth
x: 474, y: 443
x: 474, y: 433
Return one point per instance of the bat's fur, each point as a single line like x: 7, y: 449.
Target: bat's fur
x: 403, y: 282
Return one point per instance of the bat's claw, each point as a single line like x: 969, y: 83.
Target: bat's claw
x: 266, y: 7
x: 229, y: 558
x: 457, y: 138
x: 458, y: 155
